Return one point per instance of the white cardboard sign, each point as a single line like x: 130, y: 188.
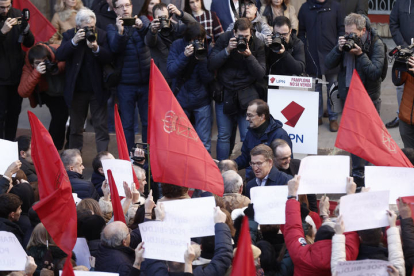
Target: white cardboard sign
x: 323, y: 174
x: 298, y: 111
x: 82, y: 252
x: 197, y: 215
x: 399, y: 181
x: 164, y: 242
x: 121, y: 171
x: 12, y: 254
x: 9, y: 154
x: 364, y: 210
x: 290, y: 81
x: 364, y: 267
x: 269, y: 204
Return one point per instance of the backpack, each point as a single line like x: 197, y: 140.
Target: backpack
x: 385, y: 64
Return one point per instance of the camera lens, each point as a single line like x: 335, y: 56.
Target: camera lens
x: 276, y: 45
x: 349, y: 45
x: 241, y: 43
x: 199, y: 51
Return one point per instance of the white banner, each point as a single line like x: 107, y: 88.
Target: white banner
x: 364, y: 210
x: 269, y: 204
x: 399, y: 181
x: 121, y: 171
x: 9, y: 154
x: 364, y: 267
x: 323, y: 174
x: 12, y: 254
x: 290, y: 81
x: 82, y: 252
x: 298, y: 111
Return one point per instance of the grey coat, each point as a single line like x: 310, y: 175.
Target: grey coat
x: 402, y: 22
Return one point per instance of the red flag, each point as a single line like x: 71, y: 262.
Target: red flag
x: 177, y: 154
x: 123, y: 152
x: 116, y: 202
x: 363, y: 133
x: 243, y: 262
x: 41, y: 28
x: 56, y: 208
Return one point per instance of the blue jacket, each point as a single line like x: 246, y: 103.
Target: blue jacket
x: 275, y: 178
x: 193, y: 93
x: 83, y: 188
x: 273, y: 131
x: 134, y: 52
x: 117, y: 260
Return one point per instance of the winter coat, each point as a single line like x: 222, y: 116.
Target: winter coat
x: 313, y: 259
x: 406, y: 113
x: 62, y: 26
x: 9, y: 226
x: 368, y: 65
x: 289, y: 12
x: 355, y: 6
x: 135, y: 54
x: 115, y: 259
x: 320, y: 25
x: 83, y: 188
x: 38, y: 253
x: 33, y: 81
x: 76, y: 56
x: 97, y: 180
x: 236, y: 72
x: 94, y: 247
x: 224, y: 13
x: 402, y: 22
x: 193, y: 92
x: 103, y: 16
x: 260, y: 26
x: 407, y: 237
x: 28, y: 169
x: 11, y: 53
x: 276, y: 178
x: 4, y: 185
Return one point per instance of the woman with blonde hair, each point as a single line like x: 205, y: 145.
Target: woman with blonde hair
x: 274, y: 8
x: 64, y: 18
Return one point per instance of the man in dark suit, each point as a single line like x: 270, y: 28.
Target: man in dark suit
x: 266, y: 174
x: 85, y: 53
x: 354, y: 6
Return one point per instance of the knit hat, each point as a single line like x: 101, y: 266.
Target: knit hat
x: 325, y: 232
x: 91, y: 227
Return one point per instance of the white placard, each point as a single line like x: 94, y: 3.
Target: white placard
x: 91, y: 273
x: 9, y: 154
x: 364, y: 267
x: 164, y: 242
x: 298, y: 111
x: 364, y: 210
x: 12, y: 254
x: 76, y: 198
x: 121, y: 171
x: 82, y: 252
x: 196, y: 214
x: 269, y: 204
x: 399, y: 181
x: 323, y: 174
x: 290, y: 81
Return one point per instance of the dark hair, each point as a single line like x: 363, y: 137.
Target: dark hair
x: 262, y: 108
x: 242, y: 24
x: 207, y: 247
x: 173, y: 191
x: 194, y: 30
x: 38, y: 52
x: 267, y: 257
x: 277, y: 143
x: 96, y: 162
x: 280, y: 21
x: 187, y: 7
x: 227, y: 165
x: 9, y: 203
x: 262, y: 149
x: 325, y: 232
x: 371, y: 237
x: 91, y: 227
x: 409, y: 152
x: 159, y: 6
x: 23, y: 143
x: 114, y: 3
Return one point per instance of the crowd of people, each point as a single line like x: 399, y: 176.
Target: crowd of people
x: 101, y: 55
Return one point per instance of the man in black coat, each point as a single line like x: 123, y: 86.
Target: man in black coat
x: 354, y: 6
x: 10, y: 210
x: 85, y: 54
x: 266, y: 174
x: 12, y: 36
x: 25, y: 156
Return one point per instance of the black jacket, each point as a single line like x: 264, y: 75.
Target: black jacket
x: 372, y: 253
x: 407, y: 237
x: 97, y: 180
x: 355, y: 6
x: 75, y: 57
x: 117, y: 260
x: 94, y: 247
x: 320, y: 25
x: 28, y: 169
x: 9, y: 226
x: 11, y: 53
x: 103, y: 16
x: 83, y: 188
x: 291, y: 62
x: 402, y: 22
x: 4, y: 185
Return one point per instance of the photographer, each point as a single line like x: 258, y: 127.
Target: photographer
x: 287, y: 55
x: 85, y: 51
x: 187, y: 64
x: 12, y: 36
x: 240, y: 60
x: 363, y: 50
x: 42, y: 83
x: 163, y: 32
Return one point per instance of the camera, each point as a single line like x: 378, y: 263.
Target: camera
x: 402, y: 55
x: 89, y: 34
x: 128, y: 21
x: 241, y: 45
x: 351, y: 40
x: 200, y: 52
x: 277, y: 42
x: 165, y: 25
x: 23, y: 22
x: 138, y: 159
x: 51, y: 67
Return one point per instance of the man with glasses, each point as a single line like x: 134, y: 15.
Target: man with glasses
x: 263, y: 129
x: 289, y: 57
x: 11, y: 64
x: 265, y: 173
x: 127, y: 43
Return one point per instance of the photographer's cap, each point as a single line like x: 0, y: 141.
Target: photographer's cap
x: 250, y: 1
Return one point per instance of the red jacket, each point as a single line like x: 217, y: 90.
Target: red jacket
x: 32, y: 80
x: 313, y: 259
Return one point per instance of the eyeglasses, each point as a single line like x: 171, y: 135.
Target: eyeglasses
x: 248, y: 115
x: 284, y: 34
x: 6, y: 8
x: 124, y: 6
x: 257, y: 164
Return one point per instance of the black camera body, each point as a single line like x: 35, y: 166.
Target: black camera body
x: 277, y: 42
x: 241, y: 45
x: 128, y: 21
x: 200, y: 52
x: 351, y: 40
x: 402, y: 55
x: 23, y: 22
x: 51, y: 67
x: 90, y: 34
x: 165, y: 26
